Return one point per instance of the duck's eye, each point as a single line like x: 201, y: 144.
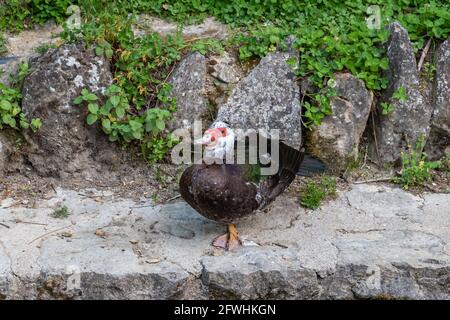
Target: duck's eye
x: 223, y: 131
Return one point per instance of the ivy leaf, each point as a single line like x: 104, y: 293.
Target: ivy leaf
x: 108, y: 53
x: 78, y: 100
x: 24, y: 124
x: 36, y: 124
x: 113, y: 89
x: 93, y: 108
x: 5, y: 105
x: 115, y: 100
x: 160, y: 124
x: 135, y: 125
x: 149, y: 126
x: 274, y: 39
x: 120, y: 112
x: 99, y: 50
x: 106, y: 108
x: 106, y: 124
x: 91, y: 119
x: 9, y: 120
x: 90, y: 97
x: 15, y: 111
x: 137, y: 135
x: 113, y: 136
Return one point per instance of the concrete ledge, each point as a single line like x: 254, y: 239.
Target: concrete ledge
x: 374, y: 241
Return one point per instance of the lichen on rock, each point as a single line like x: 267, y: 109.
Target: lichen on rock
x: 267, y: 98
x: 64, y: 144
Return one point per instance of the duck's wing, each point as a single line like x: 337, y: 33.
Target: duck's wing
x: 289, y: 163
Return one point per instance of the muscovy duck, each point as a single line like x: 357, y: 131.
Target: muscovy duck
x: 226, y: 192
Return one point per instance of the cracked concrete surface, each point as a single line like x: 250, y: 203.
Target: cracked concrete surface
x: 374, y: 241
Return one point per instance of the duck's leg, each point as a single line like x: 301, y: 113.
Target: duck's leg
x: 228, y: 241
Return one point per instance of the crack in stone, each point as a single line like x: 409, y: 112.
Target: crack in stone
x: 357, y: 209
x: 344, y: 231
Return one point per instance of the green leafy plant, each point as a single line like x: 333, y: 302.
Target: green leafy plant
x: 104, y: 48
x: 415, y: 168
x: 429, y: 70
x: 44, y: 48
x: 330, y: 36
x: 259, y: 41
x: 318, y: 106
x: 11, y: 114
x: 120, y: 124
x: 315, y: 192
x: 207, y: 45
x: 386, y: 108
x: 400, y: 94
x: 19, y: 14
x: 61, y: 213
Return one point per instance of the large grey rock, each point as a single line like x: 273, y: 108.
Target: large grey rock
x: 336, y: 139
x: 267, y: 98
x: 118, y: 266
x: 259, y: 273
x: 410, y: 119
x: 382, y: 262
x: 438, y: 143
x: 65, y: 144
x: 188, y: 88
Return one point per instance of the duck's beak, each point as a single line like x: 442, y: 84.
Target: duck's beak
x: 202, y: 141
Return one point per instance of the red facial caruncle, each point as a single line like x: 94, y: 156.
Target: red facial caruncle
x: 215, y: 134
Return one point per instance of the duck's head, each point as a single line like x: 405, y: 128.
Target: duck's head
x: 218, y: 140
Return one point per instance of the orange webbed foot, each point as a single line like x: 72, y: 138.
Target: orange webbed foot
x: 229, y: 241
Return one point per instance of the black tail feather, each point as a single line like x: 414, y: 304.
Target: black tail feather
x: 290, y: 160
x: 311, y: 166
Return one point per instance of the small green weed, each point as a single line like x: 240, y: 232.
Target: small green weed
x: 386, y: 108
x: 429, y: 70
x: 61, y: 213
x: 44, y: 48
x: 415, y: 168
x: 315, y: 192
x: 400, y: 95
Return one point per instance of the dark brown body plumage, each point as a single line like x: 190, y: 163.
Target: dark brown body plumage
x: 227, y: 192
x: 219, y: 192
